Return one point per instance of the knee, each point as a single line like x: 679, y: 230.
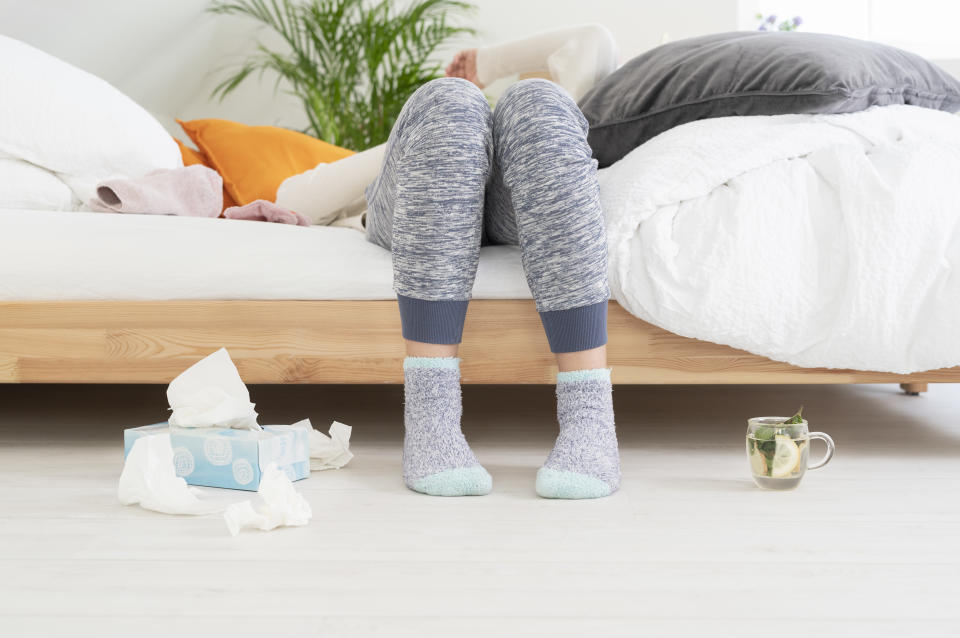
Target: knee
x: 450, y: 92
x: 537, y: 104
x: 449, y: 105
x: 537, y: 124
x: 540, y: 89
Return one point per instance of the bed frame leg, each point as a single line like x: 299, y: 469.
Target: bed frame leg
x: 913, y: 389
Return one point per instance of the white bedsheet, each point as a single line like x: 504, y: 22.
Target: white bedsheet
x: 829, y: 240
x: 46, y: 255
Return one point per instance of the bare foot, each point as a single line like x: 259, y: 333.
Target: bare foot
x: 464, y: 66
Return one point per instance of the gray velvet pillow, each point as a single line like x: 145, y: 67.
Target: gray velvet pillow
x: 754, y: 73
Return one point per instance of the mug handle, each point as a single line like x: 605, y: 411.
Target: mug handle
x: 823, y: 436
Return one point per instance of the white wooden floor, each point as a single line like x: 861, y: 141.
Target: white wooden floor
x: 869, y: 545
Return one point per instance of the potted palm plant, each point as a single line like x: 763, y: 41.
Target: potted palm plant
x: 351, y: 63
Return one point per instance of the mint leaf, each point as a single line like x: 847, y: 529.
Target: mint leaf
x: 796, y: 418
x: 764, y: 433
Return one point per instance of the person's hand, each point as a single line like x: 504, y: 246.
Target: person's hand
x: 464, y: 66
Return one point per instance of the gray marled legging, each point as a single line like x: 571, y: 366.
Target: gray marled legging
x: 456, y: 175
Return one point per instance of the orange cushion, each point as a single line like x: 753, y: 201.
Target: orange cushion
x: 193, y: 156
x: 190, y: 156
x: 254, y: 160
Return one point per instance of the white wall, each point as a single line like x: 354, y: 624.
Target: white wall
x: 165, y: 54
x: 927, y: 27
x: 637, y: 25
x: 168, y: 54
x: 159, y: 52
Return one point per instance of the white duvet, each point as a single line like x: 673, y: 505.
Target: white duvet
x: 829, y: 240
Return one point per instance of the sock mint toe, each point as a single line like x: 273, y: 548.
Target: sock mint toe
x: 460, y: 481
x: 436, y: 457
x: 561, y: 484
x: 585, y: 461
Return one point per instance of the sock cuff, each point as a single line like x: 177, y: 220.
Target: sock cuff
x: 449, y: 363
x: 594, y: 374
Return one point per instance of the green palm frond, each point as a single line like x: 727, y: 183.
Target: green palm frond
x: 351, y: 63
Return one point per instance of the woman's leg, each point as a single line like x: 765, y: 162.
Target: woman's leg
x: 426, y: 206
x: 544, y: 195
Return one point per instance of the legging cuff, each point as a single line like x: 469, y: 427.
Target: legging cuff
x: 576, y: 329
x: 432, y: 321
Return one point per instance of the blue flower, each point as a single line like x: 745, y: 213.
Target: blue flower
x: 797, y: 21
x: 771, y: 18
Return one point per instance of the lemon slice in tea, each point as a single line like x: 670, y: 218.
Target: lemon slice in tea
x: 785, y: 457
x: 758, y: 464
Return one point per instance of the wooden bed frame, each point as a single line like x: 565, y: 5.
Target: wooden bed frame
x: 356, y: 342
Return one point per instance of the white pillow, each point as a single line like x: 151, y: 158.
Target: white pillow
x: 24, y: 185
x: 73, y: 123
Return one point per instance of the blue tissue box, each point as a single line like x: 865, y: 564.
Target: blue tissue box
x: 234, y: 459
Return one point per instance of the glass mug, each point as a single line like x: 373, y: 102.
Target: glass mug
x: 778, y: 451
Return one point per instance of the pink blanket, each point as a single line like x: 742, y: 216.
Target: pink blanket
x: 263, y: 211
x: 191, y: 191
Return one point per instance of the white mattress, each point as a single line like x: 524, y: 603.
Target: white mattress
x: 48, y: 255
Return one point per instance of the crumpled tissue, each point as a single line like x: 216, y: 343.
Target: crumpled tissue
x: 210, y: 393
x: 330, y: 452
x: 282, y: 505
x: 149, y: 478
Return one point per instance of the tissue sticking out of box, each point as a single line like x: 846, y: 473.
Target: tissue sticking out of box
x: 330, y: 452
x: 149, y: 478
x: 281, y: 505
x: 210, y: 393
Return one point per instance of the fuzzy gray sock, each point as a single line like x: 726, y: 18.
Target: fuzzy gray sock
x: 436, y: 457
x: 585, y: 462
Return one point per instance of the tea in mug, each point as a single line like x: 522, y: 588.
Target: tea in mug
x: 778, y: 450
x: 778, y: 457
